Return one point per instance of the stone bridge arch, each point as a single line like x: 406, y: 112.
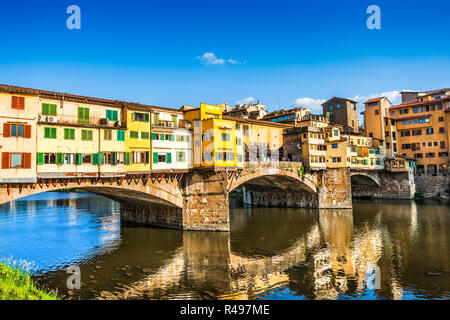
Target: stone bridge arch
x: 370, y: 178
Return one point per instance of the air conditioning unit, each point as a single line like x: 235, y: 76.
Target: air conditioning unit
x: 42, y: 118
x: 104, y: 122
x: 52, y: 119
x: 163, y: 124
x: 170, y: 124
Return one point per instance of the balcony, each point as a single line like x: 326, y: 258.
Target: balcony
x: 66, y: 120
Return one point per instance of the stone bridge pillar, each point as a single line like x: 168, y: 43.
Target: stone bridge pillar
x: 334, y: 189
x: 206, y: 204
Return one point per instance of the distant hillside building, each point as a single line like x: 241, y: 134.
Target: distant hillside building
x: 251, y: 111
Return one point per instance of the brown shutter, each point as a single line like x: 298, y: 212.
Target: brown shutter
x: 21, y: 105
x: 5, y: 160
x: 27, y: 160
x: 27, y: 131
x: 6, y: 130
x: 14, y: 102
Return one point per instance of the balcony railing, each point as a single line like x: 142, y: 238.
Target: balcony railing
x: 73, y: 120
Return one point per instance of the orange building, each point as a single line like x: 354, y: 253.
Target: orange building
x: 423, y: 126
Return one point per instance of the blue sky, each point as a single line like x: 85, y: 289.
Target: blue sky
x: 284, y: 53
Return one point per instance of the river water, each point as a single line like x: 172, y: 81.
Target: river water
x: 380, y: 250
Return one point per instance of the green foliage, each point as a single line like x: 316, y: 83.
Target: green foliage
x: 301, y: 172
x: 16, y: 284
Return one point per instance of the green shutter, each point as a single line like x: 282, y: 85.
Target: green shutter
x: 40, y: 158
x: 156, y: 118
x: 45, y: 109
x: 113, y: 158
x: 120, y: 135
x: 174, y: 120
x: 172, y: 137
x: 79, y: 161
x: 53, y: 109
x: 169, y: 157
x: 146, y: 117
x: 115, y: 115
x: 95, y: 159
x: 153, y: 136
x: 127, y: 158
x: 59, y: 158
x: 161, y: 137
x: 155, y: 157
x: 83, y: 135
x: 100, y: 158
x: 47, y: 133
x: 90, y: 135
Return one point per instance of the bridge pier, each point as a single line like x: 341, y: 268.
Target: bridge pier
x: 334, y: 189
x: 206, y: 206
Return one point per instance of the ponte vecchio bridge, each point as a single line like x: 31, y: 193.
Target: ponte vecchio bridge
x: 198, y: 199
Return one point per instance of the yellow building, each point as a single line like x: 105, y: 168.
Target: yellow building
x: 214, y: 142
x: 18, y: 139
x: 137, y: 139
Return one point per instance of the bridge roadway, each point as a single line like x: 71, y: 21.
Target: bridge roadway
x: 198, y: 199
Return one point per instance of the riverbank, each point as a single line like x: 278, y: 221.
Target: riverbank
x: 16, y: 284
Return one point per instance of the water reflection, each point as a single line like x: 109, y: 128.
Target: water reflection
x: 388, y: 250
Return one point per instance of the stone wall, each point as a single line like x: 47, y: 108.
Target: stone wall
x: 334, y: 189
x: 151, y: 214
x: 431, y: 186
x: 205, y: 206
x: 284, y: 199
x: 393, y: 185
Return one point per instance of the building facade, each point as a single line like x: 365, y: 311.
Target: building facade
x: 343, y: 112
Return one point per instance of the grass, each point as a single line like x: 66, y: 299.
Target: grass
x: 16, y: 284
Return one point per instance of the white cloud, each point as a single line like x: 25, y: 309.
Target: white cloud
x: 246, y: 100
x: 314, y: 104
x: 393, y: 96
x: 210, y: 59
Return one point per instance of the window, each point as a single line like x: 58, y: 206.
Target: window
x: 16, y: 130
x: 69, y: 158
x: 86, y: 158
x: 443, y: 154
x: 417, y: 132
x: 112, y: 115
x: 238, y: 141
x: 418, y: 155
x: 427, y: 120
x: 373, y: 104
x: 86, y: 135
x: 430, y: 131
x: 49, y: 158
x: 439, y: 107
x: 48, y: 109
x: 441, y: 130
x: 441, y: 119
x: 207, y: 156
x: 377, y: 112
x: 18, y: 103
x: 415, y: 110
x: 156, y: 119
x: 338, y: 106
x: 120, y: 135
x: 334, y: 145
x: 83, y: 115
x: 431, y: 155
x: 145, y: 135
x: 107, y: 134
x: 442, y: 144
x: 331, y: 108
x: 175, y: 121
x: 207, y: 136
x: 181, y: 156
x: 404, y: 111
x: 49, y: 133
x: 162, y: 157
x: 141, y: 117
x: 16, y: 160
x: 225, y: 137
x: 405, y: 133
x: 134, y: 134
x: 141, y: 157
x: 69, y: 134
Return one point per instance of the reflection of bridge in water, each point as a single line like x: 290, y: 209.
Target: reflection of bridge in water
x: 327, y: 252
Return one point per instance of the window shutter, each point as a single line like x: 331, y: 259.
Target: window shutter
x: 172, y: 137
x: 6, y: 130
x: 155, y: 157
x: 53, y: 133
x: 169, y: 157
x: 147, y: 157
x: 21, y: 104
x: 95, y: 159
x: 108, y: 114
x: 5, y: 160
x: 59, y: 158
x: 114, y: 158
x: 127, y: 158
x: 100, y: 158
x: 53, y: 109
x: 146, y: 117
x: 14, y: 102
x: 161, y: 137
x: 153, y: 136
x: 40, y: 158
x: 79, y: 160
x: 27, y: 133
